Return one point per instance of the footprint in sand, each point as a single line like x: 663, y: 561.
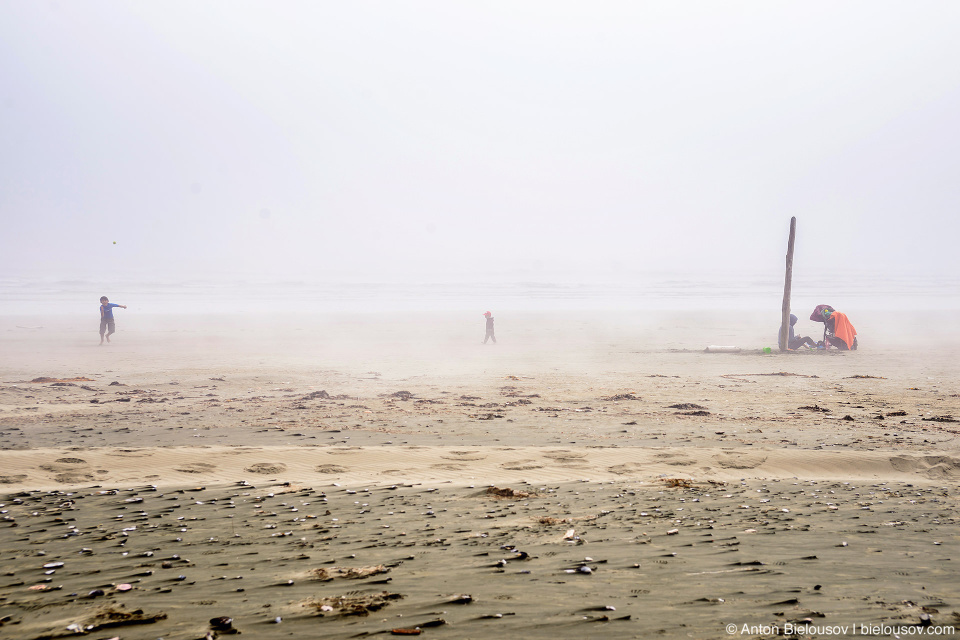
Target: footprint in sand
x: 521, y: 465
x: 448, y: 466
x: 236, y: 451
x: 20, y: 477
x: 625, y: 468
x: 675, y: 460
x: 730, y: 460
x: 330, y: 468
x: 566, y: 458
x: 66, y: 466
x: 465, y: 456
x: 195, y: 467
x: 266, y: 467
x: 73, y: 478
x: 564, y: 453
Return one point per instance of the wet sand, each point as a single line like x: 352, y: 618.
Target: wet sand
x: 359, y: 475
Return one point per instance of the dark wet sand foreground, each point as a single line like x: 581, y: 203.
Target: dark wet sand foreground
x: 576, y: 559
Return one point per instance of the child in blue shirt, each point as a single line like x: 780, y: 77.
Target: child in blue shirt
x: 106, y: 318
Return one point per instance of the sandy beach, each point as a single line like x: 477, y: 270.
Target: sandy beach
x: 348, y: 475
x: 296, y: 215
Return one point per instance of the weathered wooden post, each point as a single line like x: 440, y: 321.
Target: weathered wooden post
x: 787, y: 284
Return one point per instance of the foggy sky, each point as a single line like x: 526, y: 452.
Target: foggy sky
x: 482, y: 140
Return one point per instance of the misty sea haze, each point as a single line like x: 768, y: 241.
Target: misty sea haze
x: 662, y: 291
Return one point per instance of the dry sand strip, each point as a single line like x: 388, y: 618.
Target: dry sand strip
x: 29, y: 469
x: 619, y: 559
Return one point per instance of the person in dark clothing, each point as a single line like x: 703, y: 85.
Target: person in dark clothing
x: 794, y: 342
x: 837, y: 330
x: 489, y: 335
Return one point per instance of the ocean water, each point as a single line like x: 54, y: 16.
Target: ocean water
x: 43, y: 296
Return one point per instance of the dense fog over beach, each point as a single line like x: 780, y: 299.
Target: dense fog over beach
x: 476, y: 142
